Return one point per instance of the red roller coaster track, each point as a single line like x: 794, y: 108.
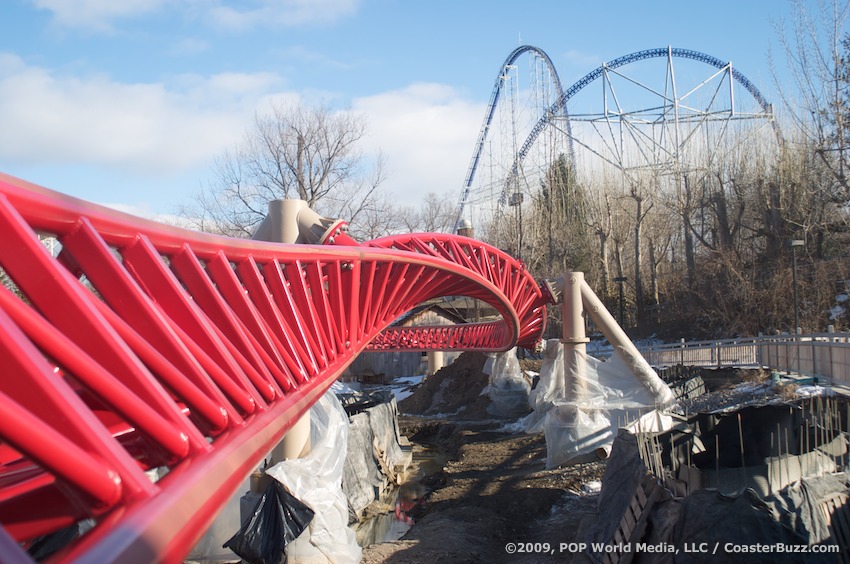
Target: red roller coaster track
x: 142, y: 346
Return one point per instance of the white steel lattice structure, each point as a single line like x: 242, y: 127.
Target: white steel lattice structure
x: 666, y: 112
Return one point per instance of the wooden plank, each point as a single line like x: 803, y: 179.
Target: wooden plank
x: 633, y: 522
x: 835, y: 510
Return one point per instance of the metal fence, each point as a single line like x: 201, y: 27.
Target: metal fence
x: 825, y: 355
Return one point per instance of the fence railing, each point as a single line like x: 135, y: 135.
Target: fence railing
x: 713, y: 354
x: 825, y: 355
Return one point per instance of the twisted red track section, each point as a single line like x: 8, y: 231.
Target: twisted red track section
x: 495, y: 266
x: 142, y: 346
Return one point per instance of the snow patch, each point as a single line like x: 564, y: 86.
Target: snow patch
x: 592, y: 487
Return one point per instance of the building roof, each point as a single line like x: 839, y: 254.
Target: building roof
x: 440, y: 307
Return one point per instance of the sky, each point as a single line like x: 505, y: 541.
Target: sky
x: 127, y: 103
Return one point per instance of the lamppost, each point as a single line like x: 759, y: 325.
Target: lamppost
x: 794, y: 243
x: 620, y: 280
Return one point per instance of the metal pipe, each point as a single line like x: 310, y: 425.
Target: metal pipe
x: 326, y: 294
x: 573, y: 336
x: 436, y: 360
x: 282, y: 225
x: 623, y: 346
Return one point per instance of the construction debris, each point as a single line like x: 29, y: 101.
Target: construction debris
x: 757, y: 476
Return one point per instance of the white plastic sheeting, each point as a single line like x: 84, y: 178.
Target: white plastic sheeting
x: 572, y: 431
x: 316, y: 480
x: 374, y: 456
x: 579, y: 424
x: 550, y: 386
x: 652, y: 422
x: 508, y: 388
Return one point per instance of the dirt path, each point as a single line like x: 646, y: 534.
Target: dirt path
x: 495, y: 491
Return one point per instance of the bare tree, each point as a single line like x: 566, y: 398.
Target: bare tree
x: 557, y: 223
x: 815, y: 46
x: 600, y: 218
x: 376, y: 218
x: 295, y: 151
x: 642, y: 206
x: 381, y: 216
x: 436, y: 214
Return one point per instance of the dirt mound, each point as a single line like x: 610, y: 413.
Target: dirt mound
x: 453, y: 390
x: 530, y: 364
x: 720, y: 378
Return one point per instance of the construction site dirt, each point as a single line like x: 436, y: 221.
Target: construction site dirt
x: 495, y: 488
x: 495, y: 491
x: 494, y: 500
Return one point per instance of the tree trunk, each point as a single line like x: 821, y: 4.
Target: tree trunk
x: 687, y: 235
x: 638, y: 259
x: 618, y: 262
x: 774, y: 226
x: 690, y: 259
x: 550, y: 263
x: 604, y: 267
x: 653, y: 273
x: 299, y: 174
x: 724, y: 227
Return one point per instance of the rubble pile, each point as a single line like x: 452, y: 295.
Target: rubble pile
x: 761, y: 464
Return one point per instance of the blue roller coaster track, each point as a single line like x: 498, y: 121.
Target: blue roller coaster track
x: 491, y: 110
x: 558, y: 108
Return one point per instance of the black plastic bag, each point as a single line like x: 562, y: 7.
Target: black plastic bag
x: 277, y: 519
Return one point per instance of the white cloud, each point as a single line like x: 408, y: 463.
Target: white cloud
x: 189, y: 46
x: 144, y: 211
x: 427, y: 132
x: 281, y: 13
x: 102, y: 15
x: 304, y: 55
x: 145, y: 127
x: 97, y: 15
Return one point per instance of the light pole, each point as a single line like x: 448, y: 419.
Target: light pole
x: 620, y: 280
x: 794, y: 243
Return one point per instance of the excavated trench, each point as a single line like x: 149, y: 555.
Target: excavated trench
x: 393, y: 515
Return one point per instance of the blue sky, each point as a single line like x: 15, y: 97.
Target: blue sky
x: 127, y: 102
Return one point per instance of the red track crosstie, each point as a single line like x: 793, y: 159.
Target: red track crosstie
x: 142, y: 346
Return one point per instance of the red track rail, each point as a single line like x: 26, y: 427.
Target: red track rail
x: 144, y: 346
x: 495, y: 266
